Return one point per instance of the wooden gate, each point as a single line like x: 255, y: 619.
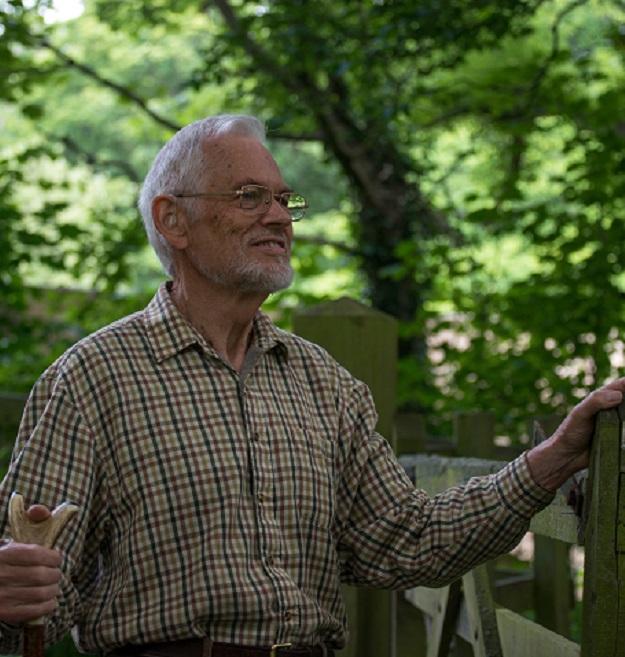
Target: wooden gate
x: 466, y: 608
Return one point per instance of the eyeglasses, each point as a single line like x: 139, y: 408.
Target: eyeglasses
x: 257, y: 197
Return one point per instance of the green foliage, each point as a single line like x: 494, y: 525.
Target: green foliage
x: 463, y: 161
x: 64, y: 648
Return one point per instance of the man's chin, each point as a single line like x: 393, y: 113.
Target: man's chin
x: 269, y: 282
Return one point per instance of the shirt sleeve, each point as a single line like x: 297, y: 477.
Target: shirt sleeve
x: 393, y: 535
x: 55, y: 460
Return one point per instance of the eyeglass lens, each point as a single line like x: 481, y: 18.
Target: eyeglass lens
x: 255, y: 196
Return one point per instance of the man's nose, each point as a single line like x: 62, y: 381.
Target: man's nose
x: 277, y: 213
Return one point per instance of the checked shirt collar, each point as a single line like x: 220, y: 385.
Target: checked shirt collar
x: 170, y: 333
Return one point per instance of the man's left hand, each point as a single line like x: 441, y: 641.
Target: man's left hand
x: 555, y: 460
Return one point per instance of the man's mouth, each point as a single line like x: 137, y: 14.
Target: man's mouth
x: 270, y: 243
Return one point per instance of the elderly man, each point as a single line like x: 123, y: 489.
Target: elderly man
x: 228, y: 473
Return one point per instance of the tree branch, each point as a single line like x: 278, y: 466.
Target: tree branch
x: 71, y: 145
x: 555, y: 48
x: 118, y: 88
x: 321, y: 241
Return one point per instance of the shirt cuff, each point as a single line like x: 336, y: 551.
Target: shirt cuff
x: 519, y: 492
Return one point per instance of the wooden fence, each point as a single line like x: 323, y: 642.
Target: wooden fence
x: 470, y: 608
x: 485, y: 613
x: 482, y: 614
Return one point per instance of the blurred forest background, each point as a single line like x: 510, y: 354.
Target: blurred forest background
x: 463, y: 160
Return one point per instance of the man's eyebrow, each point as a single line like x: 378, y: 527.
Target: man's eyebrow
x: 253, y: 181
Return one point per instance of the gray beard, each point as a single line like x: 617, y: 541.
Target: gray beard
x: 252, y: 276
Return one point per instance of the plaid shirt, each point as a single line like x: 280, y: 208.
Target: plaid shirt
x: 233, y: 505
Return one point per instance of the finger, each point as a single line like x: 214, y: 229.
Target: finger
x: 601, y: 399
x: 28, y: 576
x: 38, y: 512
x: 29, y: 595
x: 607, y: 397
x: 26, y: 554
x: 24, y: 612
x: 618, y: 384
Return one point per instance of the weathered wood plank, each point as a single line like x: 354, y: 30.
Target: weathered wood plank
x: 410, y: 434
x: 553, y: 594
x: 513, y: 591
x: 442, y: 605
x: 521, y: 637
x: 620, y: 520
x: 471, y: 615
x: 602, y: 619
x: 429, y: 601
x: 436, y: 474
x: 474, y: 434
x: 620, y: 603
x: 556, y: 521
x: 484, y: 635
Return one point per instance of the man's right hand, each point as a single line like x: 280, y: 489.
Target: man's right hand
x: 29, y: 578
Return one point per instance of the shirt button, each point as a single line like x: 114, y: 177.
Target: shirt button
x: 287, y: 615
x: 270, y: 560
x: 260, y: 497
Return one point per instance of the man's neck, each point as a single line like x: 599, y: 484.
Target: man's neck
x: 224, y: 317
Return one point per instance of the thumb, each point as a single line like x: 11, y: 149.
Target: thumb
x: 38, y: 513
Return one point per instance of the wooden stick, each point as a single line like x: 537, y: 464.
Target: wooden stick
x: 45, y: 533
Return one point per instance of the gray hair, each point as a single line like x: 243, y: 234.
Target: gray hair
x: 179, y: 166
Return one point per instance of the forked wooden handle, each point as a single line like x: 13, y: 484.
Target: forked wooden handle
x: 45, y: 533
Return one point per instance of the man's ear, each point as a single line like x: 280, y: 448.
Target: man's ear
x: 169, y: 220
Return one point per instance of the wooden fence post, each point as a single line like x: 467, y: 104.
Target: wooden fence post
x: 474, y: 434
x: 410, y: 434
x: 364, y: 341
x: 603, y: 622
x: 553, y: 585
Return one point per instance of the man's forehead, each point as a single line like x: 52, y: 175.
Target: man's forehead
x: 241, y: 159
